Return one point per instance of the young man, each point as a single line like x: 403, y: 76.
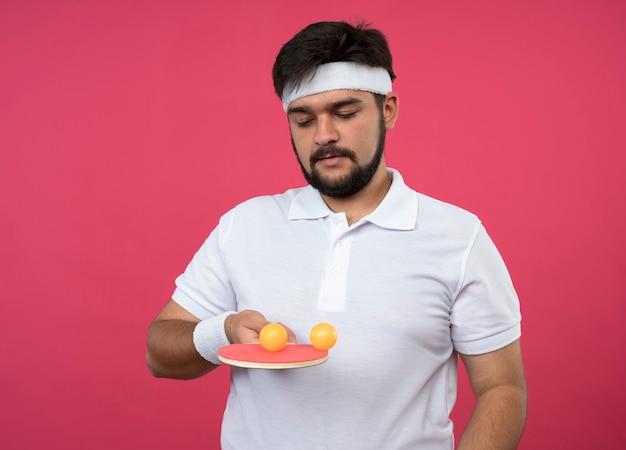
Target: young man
x: 408, y: 282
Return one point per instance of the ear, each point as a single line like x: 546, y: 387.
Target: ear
x: 390, y: 110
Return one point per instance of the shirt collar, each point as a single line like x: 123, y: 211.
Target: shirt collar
x: 397, y: 211
x: 308, y: 204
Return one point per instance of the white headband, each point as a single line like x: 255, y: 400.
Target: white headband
x: 340, y: 75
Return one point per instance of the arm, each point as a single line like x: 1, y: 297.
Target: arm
x: 171, y: 350
x: 498, y: 383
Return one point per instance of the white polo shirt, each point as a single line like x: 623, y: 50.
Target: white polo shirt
x: 406, y: 288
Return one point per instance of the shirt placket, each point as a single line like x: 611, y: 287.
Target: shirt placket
x: 332, y: 296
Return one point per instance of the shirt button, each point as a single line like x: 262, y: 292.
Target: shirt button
x: 340, y: 244
x: 335, y: 272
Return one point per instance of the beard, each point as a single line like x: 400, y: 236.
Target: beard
x: 352, y: 182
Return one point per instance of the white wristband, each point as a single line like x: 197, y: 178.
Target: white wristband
x: 209, y: 336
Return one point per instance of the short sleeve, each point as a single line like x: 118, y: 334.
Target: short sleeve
x: 485, y: 314
x: 204, y: 288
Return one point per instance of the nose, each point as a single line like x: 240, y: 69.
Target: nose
x: 326, y: 131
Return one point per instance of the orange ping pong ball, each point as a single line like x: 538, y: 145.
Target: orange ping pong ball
x: 273, y: 337
x: 323, y: 336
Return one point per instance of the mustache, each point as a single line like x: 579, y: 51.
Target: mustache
x: 328, y: 151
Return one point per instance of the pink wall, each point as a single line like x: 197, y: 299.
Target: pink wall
x: 127, y: 128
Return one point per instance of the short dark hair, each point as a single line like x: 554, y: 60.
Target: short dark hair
x: 327, y: 42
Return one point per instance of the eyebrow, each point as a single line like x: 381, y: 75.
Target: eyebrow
x: 329, y: 106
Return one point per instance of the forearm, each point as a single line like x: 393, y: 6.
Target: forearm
x: 172, y: 353
x: 497, y: 421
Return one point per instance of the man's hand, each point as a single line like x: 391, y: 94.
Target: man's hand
x: 245, y: 326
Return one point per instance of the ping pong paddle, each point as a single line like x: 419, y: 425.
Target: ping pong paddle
x: 253, y: 356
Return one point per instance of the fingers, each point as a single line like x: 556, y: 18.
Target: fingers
x: 291, y: 336
x: 245, y: 326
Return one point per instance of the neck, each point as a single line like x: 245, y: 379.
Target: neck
x: 365, y: 201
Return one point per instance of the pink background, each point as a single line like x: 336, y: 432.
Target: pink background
x: 128, y: 128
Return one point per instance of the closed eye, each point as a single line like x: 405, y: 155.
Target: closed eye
x: 303, y: 123
x: 346, y: 115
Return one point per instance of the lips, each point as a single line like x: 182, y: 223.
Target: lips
x: 331, y: 154
x: 331, y: 157
x: 328, y: 156
x: 330, y: 161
